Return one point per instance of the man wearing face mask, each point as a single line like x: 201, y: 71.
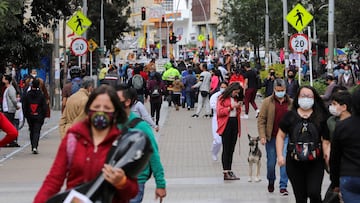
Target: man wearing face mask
x: 272, y: 111
x: 292, y: 85
x: 339, y: 108
x: 216, y: 144
x: 329, y: 89
x: 347, y: 79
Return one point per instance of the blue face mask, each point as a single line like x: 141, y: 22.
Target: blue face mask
x: 280, y: 94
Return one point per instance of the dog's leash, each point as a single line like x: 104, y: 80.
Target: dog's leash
x: 246, y: 130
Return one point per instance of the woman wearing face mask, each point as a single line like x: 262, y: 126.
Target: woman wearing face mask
x: 216, y: 144
x: 307, y: 119
x: 347, y: 79
x: 156, y: 88
x: 228, y: 111
x: 92, y: 139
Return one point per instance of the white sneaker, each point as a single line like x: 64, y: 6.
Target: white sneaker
x: 257, y: 113
x: 245, y: 116
x: 214, y: 157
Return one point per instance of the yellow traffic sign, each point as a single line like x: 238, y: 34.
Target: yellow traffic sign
x: 92, y: 45
x: 201, y: 38
x: 299, y: 17
x: 79, y: 23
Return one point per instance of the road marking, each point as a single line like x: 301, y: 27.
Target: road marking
x: 7, y: 156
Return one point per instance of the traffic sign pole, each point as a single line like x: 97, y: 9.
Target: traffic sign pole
x: 310, y: 58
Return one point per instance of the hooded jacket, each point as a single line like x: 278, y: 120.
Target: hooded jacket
x: 85, y: 166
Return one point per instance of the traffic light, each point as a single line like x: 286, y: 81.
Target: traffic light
x: 172, y: 38
x: 143, y: 13
x: 171, y: 35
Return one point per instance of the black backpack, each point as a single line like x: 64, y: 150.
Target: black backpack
x: 305, y: 142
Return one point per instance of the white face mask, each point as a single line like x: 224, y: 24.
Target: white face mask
x: 333, y: 111
x: 222, y: 90
x: 306, y: 103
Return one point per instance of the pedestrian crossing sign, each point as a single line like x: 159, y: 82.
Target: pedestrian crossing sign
x: 79, y: 23
x: 299, y: 17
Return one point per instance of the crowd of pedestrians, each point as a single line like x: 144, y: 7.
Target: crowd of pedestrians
x: 294, y: 123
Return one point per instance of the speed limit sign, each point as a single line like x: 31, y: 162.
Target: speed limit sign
x: 79, y: 46
x: 299, y: 43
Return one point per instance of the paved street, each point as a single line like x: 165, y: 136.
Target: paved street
x: 184, y: 142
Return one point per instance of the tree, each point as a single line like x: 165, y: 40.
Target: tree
x: 116, y: 16
x: 18, y: 44
x: 241, y: 21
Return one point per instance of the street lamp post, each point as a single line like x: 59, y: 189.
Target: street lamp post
x: 331, y: 35
x: 286, y: 40
x: 206, y: 23
x: 267, y: 34
x: 102, y: 29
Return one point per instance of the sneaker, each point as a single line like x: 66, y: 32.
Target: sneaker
x: 214, y: 157
x: 271, y: 187
x: 205, y: 116
x: 257, y: 113
x: 34, y: 151
x: 195, y: 116
x: 245, y: 116
x: 283, y: 192
x: 188, y: 108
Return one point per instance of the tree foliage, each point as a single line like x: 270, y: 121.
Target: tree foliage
x: 243, y: 21
x: 116, y: 16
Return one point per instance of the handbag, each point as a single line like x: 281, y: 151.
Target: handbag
x: 204, y: 93
x: 331, y: 196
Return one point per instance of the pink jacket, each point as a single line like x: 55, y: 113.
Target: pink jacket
x: 223, y: 112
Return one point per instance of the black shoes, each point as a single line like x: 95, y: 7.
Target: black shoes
x: 12, y: 144
x: 271, y: 187
x: 230, y: 176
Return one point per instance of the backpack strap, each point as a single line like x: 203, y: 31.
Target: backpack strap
x: 70, y: 148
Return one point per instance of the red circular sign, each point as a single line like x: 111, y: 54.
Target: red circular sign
x: 79, y: 46
x: 299, y: 43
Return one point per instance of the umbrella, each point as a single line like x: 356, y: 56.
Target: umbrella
x: 340, y: 52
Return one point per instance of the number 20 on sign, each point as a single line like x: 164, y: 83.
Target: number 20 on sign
x: 299, y: 43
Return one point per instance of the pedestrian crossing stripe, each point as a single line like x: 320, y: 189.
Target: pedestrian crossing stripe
x: 79, y: 23
x: 299, y: 17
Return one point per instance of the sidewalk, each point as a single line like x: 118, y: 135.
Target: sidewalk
x: 192, y: 175
x: 184, y: 142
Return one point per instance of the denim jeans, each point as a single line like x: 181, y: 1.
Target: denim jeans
x: 350, y: 188
x: 270, y: 147
x: 139, y: 197
x: 190, y: 99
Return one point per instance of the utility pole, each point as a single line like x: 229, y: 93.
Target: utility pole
x: 85, y: 9
x: 206, y: 23
x: 102, y: 30
x: 331, y: 36
x: 286, y: 40
x: 65, y: 55
x: 267, y: 58
x: 55, y: 74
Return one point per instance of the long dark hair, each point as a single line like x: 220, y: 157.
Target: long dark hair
x: 228, y: 91
x: 320, y: 112
x: 119, y: 114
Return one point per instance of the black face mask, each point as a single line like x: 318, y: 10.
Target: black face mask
x: 101, y: 120
x: 290, y: 76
